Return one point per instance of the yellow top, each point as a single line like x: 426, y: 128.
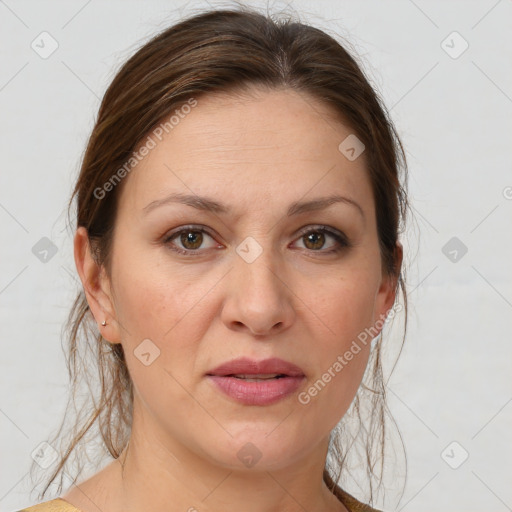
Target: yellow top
x: 60, y: 505
x: 56, y: 505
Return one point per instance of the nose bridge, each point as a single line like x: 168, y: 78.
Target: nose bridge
x: 259, y: 296
x: 256, y: 264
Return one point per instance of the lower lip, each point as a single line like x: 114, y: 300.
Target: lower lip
x: 264, y: 392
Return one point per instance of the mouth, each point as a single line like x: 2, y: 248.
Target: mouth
x: 245, y: 368
x: 258, y: 378
x: 257, y: 382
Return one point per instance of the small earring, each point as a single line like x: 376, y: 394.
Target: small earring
x: 104, y: 323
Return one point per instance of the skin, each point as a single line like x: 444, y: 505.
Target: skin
x: 256, y: 153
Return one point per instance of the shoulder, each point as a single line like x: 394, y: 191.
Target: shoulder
x: 56, y: 505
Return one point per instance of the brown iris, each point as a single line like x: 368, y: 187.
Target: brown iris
x: 316, y: 239
x: 195, y: 238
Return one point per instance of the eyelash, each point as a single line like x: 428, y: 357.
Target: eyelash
x: 340, y: 238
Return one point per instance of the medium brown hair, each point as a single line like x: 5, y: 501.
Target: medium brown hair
x: 224, y: 51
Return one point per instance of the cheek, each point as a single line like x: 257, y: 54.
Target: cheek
x: 342, y: 350
x: 150, y: 301
x: 172, y: 310
x: 346, y: 307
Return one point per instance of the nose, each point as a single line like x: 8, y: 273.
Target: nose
x: 259, y: 300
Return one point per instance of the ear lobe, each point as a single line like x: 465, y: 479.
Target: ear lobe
x: 96, y: 286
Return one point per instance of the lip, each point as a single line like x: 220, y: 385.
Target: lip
x: 263, y: 392
x: 244, y: 365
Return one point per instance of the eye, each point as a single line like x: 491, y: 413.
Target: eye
x: 191, y: 238
x: 315, y: 239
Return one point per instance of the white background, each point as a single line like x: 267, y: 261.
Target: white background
x: 454, y: 115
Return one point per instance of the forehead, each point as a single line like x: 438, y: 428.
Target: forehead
x: 262, y: 147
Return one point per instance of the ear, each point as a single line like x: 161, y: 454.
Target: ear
x: 386, y: 294
x: 96, y: 286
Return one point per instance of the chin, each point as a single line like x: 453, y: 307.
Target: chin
x: 253, y: 449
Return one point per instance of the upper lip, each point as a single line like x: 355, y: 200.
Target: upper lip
x: 248, y: 366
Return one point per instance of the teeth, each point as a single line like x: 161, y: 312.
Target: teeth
x: 255, y: 378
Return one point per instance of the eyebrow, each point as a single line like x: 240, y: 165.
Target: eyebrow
x: 207, y: 204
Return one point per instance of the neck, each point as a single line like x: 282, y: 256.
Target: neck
x: 155, y: 473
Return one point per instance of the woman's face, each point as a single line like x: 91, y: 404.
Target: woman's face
x: 258, y: 280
